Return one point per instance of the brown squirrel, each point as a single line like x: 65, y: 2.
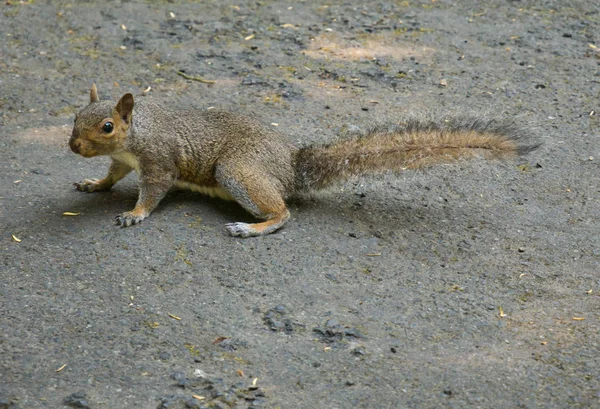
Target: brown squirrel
x: 233, y: 157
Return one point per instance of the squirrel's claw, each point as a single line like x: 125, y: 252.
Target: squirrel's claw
x: 239, y: 229
x: 86, y: 185
x: 89, y: 185
x: 127, y: 219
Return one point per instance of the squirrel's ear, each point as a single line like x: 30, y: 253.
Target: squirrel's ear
x: 125, y: 107
x: 94, y: 94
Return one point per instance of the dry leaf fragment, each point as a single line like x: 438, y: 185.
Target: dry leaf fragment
x: 578, y: 318
x: 147, y: 89
x: 16, y: 182
x: 287, y: 25
x: 373, y: 254
x: 592, y: 46
x: 250, y: 37
x: 199, y: 79
x: 123, y: 26
x: 61, y: 368
x: 172, y: 14
x: 198, y: 397
x: 220, y: 339
x: 254, y: 381
x: 544, y: 342
x: 15, y: 238
x: 71, y: 213
x: 501, y: 311
x: 590, y: 291
x: 274, y: 124
x: 175, y: 317
x: 443, y: 83
x: 240, y: 372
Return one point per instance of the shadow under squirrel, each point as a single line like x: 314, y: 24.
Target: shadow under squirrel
x: 234, y: 157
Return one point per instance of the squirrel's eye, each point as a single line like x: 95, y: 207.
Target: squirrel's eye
x: 107, y: 127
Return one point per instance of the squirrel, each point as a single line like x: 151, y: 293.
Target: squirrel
x: 233, y: 157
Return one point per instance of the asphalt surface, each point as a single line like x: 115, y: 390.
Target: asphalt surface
x: 469, y: 285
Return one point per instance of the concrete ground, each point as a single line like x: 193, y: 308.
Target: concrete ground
x: 474, y: 285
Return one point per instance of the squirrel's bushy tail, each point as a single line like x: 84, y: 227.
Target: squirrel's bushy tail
x: 412, y: 144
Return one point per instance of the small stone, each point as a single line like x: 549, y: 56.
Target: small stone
x: 169, y: 402
x: 199, y: 373
x: 76, y: 400
x: 277, y: 325
x: 178, y: 376
x: 332, y: 323
x: 352, y: 332
x: 193, y: 404
x: 358, y: 351
x: 280, y: 309
x: 253, y: 80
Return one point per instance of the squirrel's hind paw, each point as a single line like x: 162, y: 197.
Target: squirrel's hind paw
x: 240, y: 229
x: 127, y: 219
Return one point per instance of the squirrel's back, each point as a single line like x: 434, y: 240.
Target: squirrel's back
x: 196, y: 140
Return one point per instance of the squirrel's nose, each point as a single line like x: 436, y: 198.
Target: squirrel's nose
x: 75, y: 146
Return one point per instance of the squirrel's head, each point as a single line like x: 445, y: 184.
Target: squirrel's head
x: 101, y: 127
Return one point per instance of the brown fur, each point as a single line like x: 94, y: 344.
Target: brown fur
x: 396, y: 150
x: 234, y: 157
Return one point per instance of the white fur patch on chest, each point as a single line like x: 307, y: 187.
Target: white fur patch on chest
x: 210, y: 191
x: 128, y: 159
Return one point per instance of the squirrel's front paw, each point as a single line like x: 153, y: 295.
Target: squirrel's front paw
x: 90, y: 185
x: 128, y: 218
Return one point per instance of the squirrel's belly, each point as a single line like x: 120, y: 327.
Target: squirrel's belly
x: 212, y: 191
